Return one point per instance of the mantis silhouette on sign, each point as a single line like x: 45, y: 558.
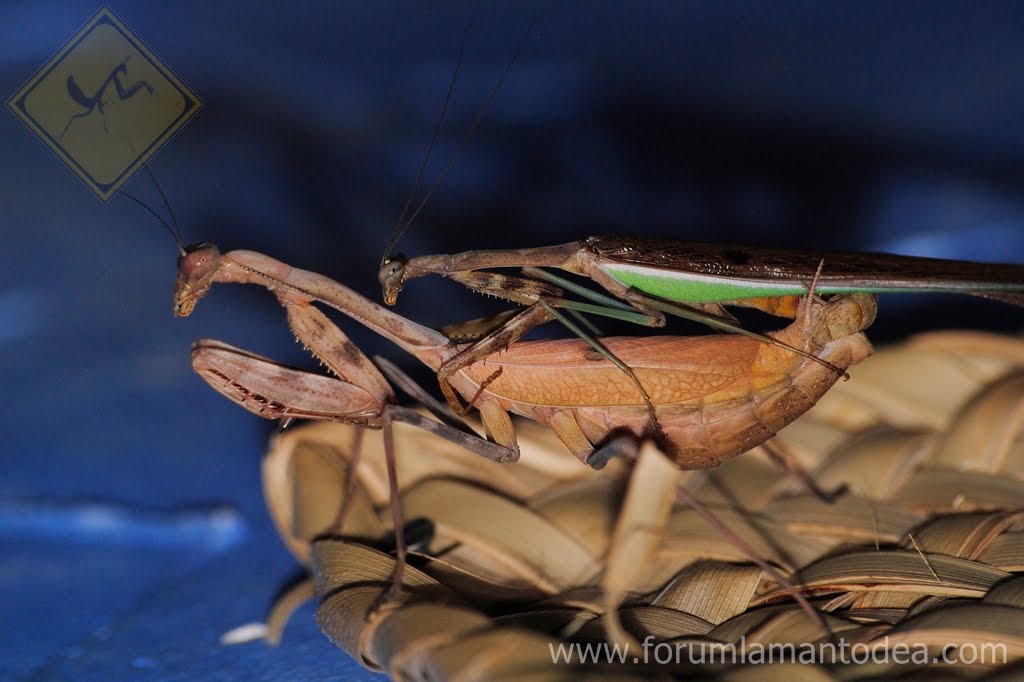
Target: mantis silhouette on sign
x: 95, y: 102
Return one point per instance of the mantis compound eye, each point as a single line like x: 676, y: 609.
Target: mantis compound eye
x: 196, y: 268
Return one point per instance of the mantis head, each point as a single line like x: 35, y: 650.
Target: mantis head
x: 197, y: 265
x: 392, y: 277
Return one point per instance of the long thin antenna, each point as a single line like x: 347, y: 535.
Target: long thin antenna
x: 397, y: 232
x: 174, y: 235
x: 167, y: 204
x: 176, y: 231
x: 467, y: 136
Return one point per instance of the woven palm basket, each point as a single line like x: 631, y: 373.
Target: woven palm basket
x: 518, y: 570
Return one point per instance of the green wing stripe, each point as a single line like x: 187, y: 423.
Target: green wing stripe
x: 696, y: 288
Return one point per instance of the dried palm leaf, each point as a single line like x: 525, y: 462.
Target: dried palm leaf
x: 524, y: 562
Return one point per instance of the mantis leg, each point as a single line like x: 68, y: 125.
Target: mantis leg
x: 502, y: 337
x: 506, y: 334
x: 778, y: 454
x: 359, y: 395
x: 498, y: 332
x: 280, y: 393
x: 654, y: 487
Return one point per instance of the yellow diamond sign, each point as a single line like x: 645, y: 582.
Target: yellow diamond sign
x: 104, y: 103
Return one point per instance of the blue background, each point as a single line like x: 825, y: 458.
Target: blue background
x: 131, y: 520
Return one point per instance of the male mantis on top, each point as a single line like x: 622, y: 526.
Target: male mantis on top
x: 633, y: 268
x: 658, y: 276
x: 649, y: 278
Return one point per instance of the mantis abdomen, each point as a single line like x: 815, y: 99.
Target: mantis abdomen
x: 715, y: 396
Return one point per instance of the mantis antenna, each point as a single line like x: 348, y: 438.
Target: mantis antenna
x: 167, y: 204
x: 176, y: 235
x: 401, y: 227
x: 176, y: 230
x: 397, y: 232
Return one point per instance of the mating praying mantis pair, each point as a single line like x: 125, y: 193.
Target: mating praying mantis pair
x: 702, y: 399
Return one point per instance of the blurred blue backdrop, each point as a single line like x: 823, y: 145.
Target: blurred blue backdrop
x: 131, y: 518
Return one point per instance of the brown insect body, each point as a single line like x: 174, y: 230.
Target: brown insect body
x: 715, y: 396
